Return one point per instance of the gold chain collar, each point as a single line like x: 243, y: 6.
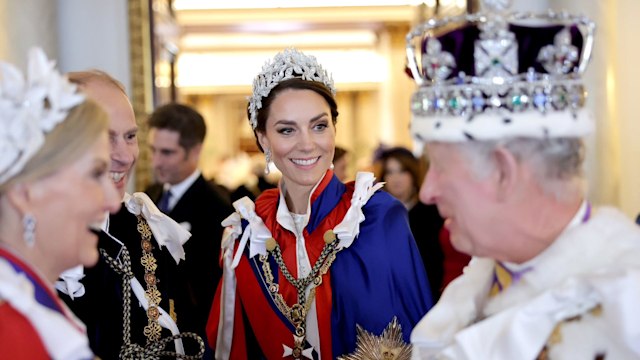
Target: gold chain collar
x: 153, y: 330
x: 297, y: 313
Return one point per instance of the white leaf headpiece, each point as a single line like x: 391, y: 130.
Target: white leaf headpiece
x: 30, y: 108
x: 286, y: 65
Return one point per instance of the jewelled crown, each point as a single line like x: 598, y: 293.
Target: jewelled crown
x: 29, y: 109
x: 286, y: 65
x: 497, y: 74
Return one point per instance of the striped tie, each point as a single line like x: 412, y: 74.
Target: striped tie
x: 503, y: 278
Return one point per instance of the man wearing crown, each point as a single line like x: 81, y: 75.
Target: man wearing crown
x: 552, y: 277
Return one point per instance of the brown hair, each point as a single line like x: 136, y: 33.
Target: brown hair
x: 298, y: 84
x: 184, y: 120
x: 338, y: 153
x: 408, y: 162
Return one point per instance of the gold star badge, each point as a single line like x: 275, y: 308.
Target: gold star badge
x: 388, y: 346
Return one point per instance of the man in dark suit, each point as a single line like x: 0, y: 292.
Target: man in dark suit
x: 139, y: 254
x: 176, y: 134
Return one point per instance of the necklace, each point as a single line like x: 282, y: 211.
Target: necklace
x: 297, y: 313
x: 154, y: 348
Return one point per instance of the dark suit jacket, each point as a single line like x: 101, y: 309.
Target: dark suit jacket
x: 101, y: 307
x: 426, y: 223
x: 204, y: 208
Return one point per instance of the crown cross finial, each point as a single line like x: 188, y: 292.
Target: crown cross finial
x: 561, y: 57
x: 438, y: 64
x: 496, y: 57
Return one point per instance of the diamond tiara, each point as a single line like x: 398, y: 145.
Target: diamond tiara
x: 30, y: 108
x: 288, y: 64
x: 502, y: 72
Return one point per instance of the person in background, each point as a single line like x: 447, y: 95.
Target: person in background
x: 402, y: 173
x: 341, y: 163
x: 54, y: 193
x: 552, y: 277
x: 132, y: 300
x: 176, y: 134
x: 314, y: 265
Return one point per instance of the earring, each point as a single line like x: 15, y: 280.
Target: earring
x: 331, y: 166
x: 29, y: 228
x: 267, y: 155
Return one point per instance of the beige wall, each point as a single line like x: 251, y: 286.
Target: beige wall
x: 24, y: 24
x: 613, y: 81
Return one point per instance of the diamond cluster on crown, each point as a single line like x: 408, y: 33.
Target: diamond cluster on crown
x: 30, y: 108
x: 497, y: 85
x: 286, y: 65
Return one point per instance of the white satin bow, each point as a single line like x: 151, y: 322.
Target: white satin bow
x: 256, y: 233
x: 349, y: 228
x: 166, y: 231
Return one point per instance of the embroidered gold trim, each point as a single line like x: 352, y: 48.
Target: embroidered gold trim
x: 153, y: 330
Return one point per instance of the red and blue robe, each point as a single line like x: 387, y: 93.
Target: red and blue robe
x: 379, y: 277
x: 34, y: 322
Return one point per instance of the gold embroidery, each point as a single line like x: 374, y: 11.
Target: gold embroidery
x: 153, y: 330
x: 172, y: 310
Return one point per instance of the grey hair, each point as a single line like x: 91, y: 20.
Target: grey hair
x: 557, y: 163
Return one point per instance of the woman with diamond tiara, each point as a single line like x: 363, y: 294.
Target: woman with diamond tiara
x: 315, y: 267
x: 54, y: 189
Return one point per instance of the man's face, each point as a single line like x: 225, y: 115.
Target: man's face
x: 467, y: 203
x: 123, y: 130
x: 171, y: 162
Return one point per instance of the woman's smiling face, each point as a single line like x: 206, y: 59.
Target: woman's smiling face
x: 301, y: 135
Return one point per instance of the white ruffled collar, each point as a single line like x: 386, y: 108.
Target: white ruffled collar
x: 257, y: 234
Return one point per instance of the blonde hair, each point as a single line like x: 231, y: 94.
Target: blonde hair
x: 65, y: 143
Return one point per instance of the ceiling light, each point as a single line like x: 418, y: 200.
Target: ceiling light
x: 261, y: 4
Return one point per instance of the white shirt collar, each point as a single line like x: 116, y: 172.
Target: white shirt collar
x: 180, y: 188
x: 283, y: 216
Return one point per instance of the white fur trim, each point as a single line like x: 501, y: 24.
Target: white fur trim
x: 503, y: 124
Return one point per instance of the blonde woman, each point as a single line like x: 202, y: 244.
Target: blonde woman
x: 54, y: 191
